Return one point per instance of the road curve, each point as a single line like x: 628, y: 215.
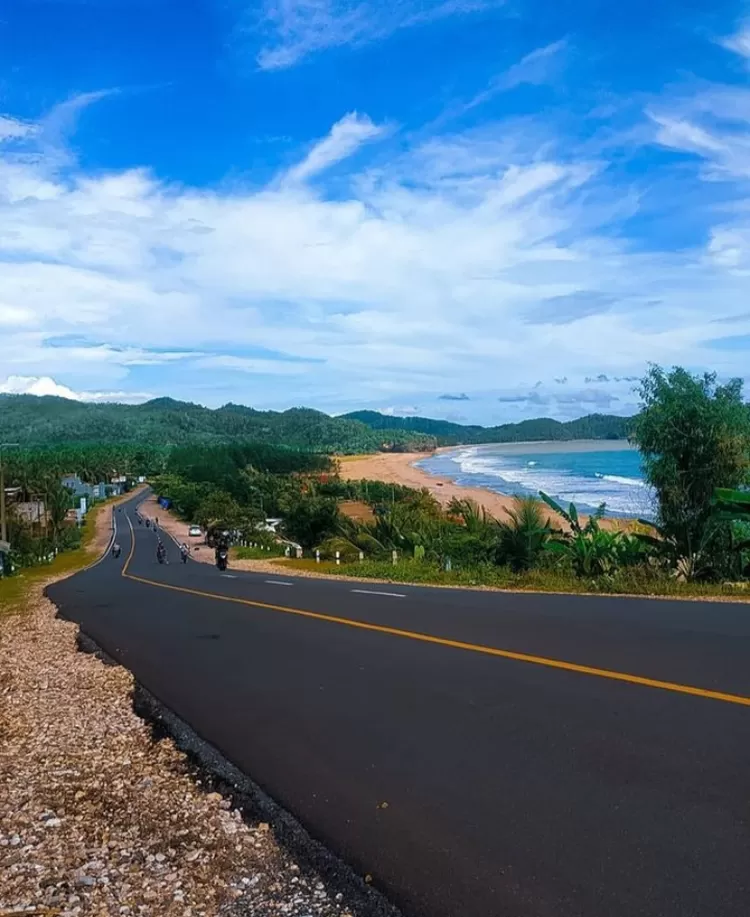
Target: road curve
x: 477, y: 753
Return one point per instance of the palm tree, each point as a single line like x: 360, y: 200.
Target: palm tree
x: 523, y: 536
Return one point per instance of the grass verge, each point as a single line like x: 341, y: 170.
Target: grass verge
x: 14, y: 589
x: 627, y: 582
x: 249, y: 553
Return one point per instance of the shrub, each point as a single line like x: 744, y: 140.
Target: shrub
x: 524, y: 536
x: 694, y: 437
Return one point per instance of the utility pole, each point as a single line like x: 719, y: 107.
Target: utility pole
x: 3, y: 520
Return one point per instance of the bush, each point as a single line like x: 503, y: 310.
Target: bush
x: 694, y: 437
x: 349, y: 552
x: 524, y: 536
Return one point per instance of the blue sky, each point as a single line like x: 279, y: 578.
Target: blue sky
x: 471, y: 209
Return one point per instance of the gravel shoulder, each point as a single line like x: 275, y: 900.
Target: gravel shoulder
x: 96, y: 817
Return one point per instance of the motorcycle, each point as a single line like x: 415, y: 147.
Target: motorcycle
x: 222, y: 558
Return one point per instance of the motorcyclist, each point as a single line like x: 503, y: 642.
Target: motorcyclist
x: 222, y: 552
x: 161, y: 553
x: 116, y: 550
x: 184, y: 552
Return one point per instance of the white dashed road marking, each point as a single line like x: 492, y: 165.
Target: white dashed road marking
x: 392, y: 595
x: 278, y: 582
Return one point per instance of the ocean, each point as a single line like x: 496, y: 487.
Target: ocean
x: 586, y: 473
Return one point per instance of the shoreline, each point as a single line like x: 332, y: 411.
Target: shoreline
x: 400, y: 468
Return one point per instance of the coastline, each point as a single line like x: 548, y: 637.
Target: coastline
x: 400, y: 468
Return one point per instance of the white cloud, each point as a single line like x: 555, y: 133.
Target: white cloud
x: 44, y: 385
x: 253, y: 366
x: 12, y: 129
x: 299, y: 28
x: 535, y: 68
x: 713, y: 124
x: 344, y: 139
x: 418, y: 277
x: 739, y: 42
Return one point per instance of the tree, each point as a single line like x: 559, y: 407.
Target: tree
x: 694, y: 436
x: 524, y: 535
x: 310, y: 520
x: 218, y: 510
x: 58, y: 501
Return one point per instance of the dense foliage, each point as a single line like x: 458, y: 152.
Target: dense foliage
x: 593, y: 426
x: 37, y: 511
x: 32, y: 421
x: 163, y: 422
x: 694, y: 436
x: 93, y: 463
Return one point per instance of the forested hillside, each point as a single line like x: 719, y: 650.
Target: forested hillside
x: 29, y: 420
x: 593, y: 426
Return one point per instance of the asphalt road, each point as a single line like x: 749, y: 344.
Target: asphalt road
x: 604, y: 773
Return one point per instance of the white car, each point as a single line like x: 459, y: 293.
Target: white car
x: 195, y: 531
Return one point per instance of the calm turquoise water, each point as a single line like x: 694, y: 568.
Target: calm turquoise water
x: 585, y: 476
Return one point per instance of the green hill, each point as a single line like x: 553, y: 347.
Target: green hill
x: 593, y: 426
x: 30, y: 420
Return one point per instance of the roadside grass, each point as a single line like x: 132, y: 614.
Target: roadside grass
x: 14, y: 590
x: 626, y: 582
x: 249, y: 553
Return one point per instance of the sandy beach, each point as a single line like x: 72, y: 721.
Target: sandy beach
x: 398, y: 468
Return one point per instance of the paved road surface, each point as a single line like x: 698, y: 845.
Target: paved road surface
x: 513, y: 787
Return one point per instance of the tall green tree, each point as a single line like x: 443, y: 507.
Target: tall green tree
x: 694, y: 436
x: 310, y: 520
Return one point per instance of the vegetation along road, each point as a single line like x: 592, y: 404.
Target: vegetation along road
x: 475, y: 753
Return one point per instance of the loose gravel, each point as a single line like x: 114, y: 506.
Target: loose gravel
x: 97, y: 818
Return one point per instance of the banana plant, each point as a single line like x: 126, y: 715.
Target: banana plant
x: 733, y: 505
x: 590, y: 550
x: 571, y: 515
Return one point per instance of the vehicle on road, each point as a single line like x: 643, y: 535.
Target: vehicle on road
x: 195, y: 531
x: 222, y: 557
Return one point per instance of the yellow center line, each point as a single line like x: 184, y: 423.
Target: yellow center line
x: 443, y: 641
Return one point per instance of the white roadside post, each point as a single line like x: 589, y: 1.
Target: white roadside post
x: 361, y: 556
x: 299, y: 553
x: 317, y: 557
x: 338, y: 558
x: 395, y: 558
